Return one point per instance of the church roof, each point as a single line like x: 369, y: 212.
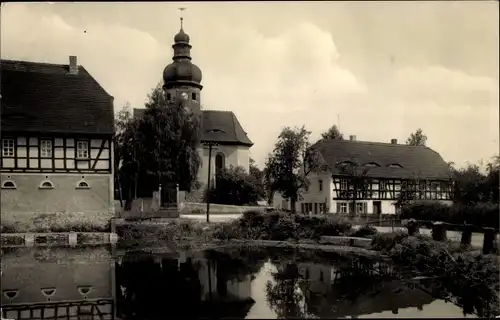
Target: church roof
x: 226, y: 121
x: 45, y: 98
x: 386, y: 160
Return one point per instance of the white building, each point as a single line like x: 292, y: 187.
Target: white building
x: 387, y: 168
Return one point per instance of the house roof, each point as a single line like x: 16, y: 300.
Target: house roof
x: 226, y: 121
x: 414, y: 161
x: 44, y: 98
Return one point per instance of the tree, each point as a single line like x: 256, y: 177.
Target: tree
x: 358, y: 183
x: 160, y: 147
x: 290, y: 163
x: 417, y: 139
x: 259, y: 179
x: 234, y: 186
x: 332, y: 134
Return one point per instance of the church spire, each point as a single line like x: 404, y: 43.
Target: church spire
x: 182, y: 48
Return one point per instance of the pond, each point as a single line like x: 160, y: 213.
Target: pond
x: 106, y: 283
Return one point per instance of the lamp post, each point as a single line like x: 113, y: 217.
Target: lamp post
x: 210, y: 144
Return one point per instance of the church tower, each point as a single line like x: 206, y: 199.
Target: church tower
x: 182, y: 78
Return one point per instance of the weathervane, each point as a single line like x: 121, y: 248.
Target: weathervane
x: 181, y: 10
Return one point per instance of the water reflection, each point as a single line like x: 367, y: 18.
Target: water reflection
x: 87, y: 283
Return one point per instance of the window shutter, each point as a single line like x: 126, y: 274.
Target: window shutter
x: 302, y: 208
x: 365, y: 207
x: 338, y: 207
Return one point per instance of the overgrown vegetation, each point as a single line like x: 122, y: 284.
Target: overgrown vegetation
x: 470, y: 275
x: 55, y: 222
x: 281, y: 226
x: 234, y: 186
x: 478, y: 214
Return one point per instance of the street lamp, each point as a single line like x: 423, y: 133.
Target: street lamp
x: 210, y: 144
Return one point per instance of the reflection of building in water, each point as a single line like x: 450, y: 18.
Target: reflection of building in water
x: 52, y: 283
x: 324, y: 287
x: 178, y: 281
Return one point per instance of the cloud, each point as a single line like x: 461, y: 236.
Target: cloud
x: 274, y: 78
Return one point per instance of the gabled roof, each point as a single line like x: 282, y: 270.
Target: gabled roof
x: 414, y: 161
x: 44, y: 98
x: 220, y: 120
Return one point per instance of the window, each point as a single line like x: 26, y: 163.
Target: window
x: 302, y: 208
x: 383, y: 185
x: 82, y: 150
x: 46, y: 185
x: 169, y: 96
x: 8, y: 185
x: 322, y: 207
x: 7, y: 147
x: 308, y: 207
x: 320, y: 185
x: 395, y: 165
x: 343, y: 184
x: 219, y: 162
x: 372, y: 164
x: 46, y: 148
x: 321, y: 276
x: 82, y: 185
x: 193, y: 96
x: 315, y: 207
x: 361, y: 207
x: 342, y: 207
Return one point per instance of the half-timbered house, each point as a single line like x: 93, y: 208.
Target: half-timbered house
x: 372, y: 177
x: 57, y: 130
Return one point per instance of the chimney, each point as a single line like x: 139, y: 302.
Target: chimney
x: 73, y: 66
x: 394, y: 141
x: 352, y: 138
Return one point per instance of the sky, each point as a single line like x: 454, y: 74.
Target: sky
x: 378, y: 70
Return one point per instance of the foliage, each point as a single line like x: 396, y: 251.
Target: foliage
x: 358, y: 183
x: 290, y: 163
x: 259, y: 177
x: 417, y: 139
x: 479, y: 214
x: 234, y: 186
x: 160, y: 147
x: 473, y: 186
x: 365, y: 231
x: 55, y: 222
x: 332, y: 134
x: 281, y: 226
x: 387, y: 241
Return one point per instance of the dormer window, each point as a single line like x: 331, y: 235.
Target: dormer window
x: 395, y: 165
x: 9, y: 184
x: 46, y: 185
x: 372, y: 164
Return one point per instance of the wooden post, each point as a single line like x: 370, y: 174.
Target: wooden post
x: 466, y: 235
x: 489, y: 240
x: 412, y: 227
x: 439, y: 231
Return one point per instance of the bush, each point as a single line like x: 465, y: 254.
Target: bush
x: 480, y: 214
x: 386, y: 241
x: 365, y: 231
x: 282, y: 226
x: 234, y: 186
x: 55, y: 222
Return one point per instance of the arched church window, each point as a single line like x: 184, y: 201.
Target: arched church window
x: 220, y: 160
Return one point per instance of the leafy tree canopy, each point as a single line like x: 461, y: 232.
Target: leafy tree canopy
x: 161, y: 146
x: 332, y: 134
x: 417, y: 139
x: 234, y: 186
x: 290, y: 163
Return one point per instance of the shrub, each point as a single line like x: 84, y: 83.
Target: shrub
x: 56, y: 222
x: 387, y: 241
x: 365, y: 231
x: 480, y: 214
x: 235, y: 186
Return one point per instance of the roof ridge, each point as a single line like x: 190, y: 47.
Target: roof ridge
x: 372, y: 142
x: 35, y: 62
